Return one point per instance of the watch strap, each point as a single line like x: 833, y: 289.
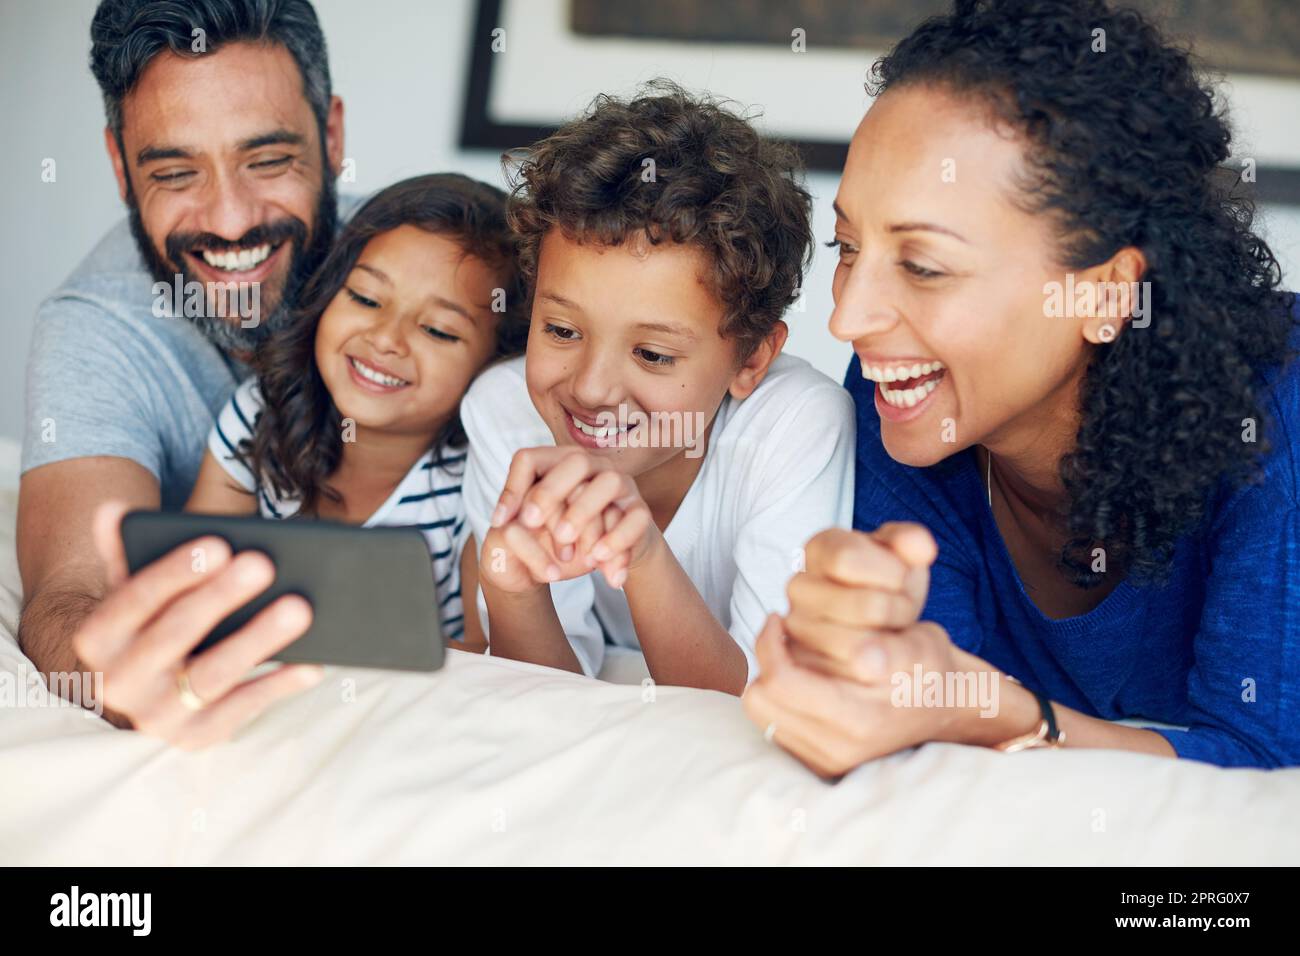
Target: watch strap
x: 1047, y: 734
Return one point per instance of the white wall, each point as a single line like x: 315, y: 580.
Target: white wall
x: 400, y: 67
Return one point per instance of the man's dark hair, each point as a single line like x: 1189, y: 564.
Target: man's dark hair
x: 717, y: 185
x: 126, y: 35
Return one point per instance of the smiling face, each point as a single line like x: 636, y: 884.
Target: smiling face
x: 940, y: 284
x: 223, y: 167
x: 630, y: 325
x: 412, y: 325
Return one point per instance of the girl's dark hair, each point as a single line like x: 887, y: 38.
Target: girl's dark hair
x: 675, y: 167
x: 297, y: 441
x: 1124, y: 149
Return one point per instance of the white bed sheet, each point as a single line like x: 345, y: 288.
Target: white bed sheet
x: 496, y: 762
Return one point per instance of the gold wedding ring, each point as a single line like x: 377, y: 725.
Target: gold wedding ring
x: 191, y: 700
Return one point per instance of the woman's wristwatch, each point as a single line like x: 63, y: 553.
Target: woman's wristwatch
x: 1047, y: 734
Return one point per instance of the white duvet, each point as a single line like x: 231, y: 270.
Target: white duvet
x: 495, y: 762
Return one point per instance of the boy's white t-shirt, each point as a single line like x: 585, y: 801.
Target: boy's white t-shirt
x: 778, y: 469
x: 428, y: 498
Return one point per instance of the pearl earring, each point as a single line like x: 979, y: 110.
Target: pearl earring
x: 1106, y: 333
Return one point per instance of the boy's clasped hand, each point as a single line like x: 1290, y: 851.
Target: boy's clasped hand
x: 563, y: 513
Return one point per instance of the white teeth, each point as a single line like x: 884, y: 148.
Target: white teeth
x: 367, y: 372
x: 908, y: 397
x: 596, y: 431
x: 240, y: 261
x: 899, y: 373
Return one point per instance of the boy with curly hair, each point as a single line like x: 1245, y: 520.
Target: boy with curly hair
x: 654, y: 432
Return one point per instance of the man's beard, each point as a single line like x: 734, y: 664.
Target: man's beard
x: 308, y: 248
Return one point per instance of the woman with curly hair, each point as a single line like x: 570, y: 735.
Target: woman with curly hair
x: 1078, y: 419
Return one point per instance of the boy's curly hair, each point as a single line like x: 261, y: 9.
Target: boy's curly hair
x: 715, y: 183
x: 1124, y: 149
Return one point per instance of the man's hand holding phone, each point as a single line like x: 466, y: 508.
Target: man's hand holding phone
x: 141, y: 635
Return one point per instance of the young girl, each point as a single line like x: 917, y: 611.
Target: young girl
x: 354, y: 415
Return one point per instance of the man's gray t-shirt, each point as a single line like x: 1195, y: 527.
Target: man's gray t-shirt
x: 106, y: 376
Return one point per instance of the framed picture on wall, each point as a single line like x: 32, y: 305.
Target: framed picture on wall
x: 799, y: 67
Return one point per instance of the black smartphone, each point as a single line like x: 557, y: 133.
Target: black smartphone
x: 371, y: 589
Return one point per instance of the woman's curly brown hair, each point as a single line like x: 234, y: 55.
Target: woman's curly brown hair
x: 714, y: 183
x: 1127, y: 148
